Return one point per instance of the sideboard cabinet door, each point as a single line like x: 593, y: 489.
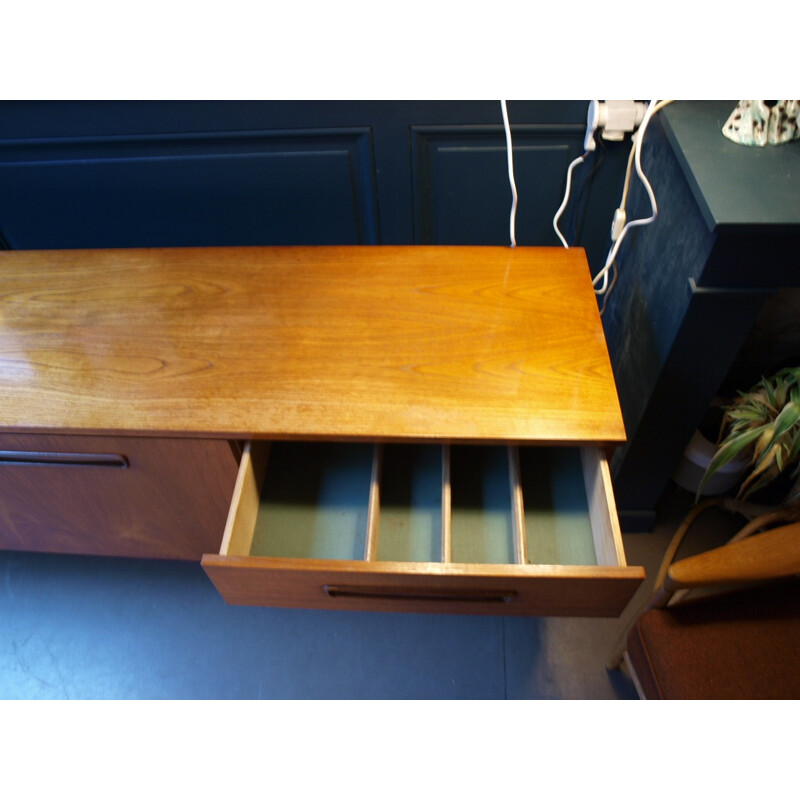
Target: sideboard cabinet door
x: 114, y: 496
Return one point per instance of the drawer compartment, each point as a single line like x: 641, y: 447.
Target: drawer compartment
x: 481, y: 507
x: 410, y: 522
x: 315, y: 502
x: 480, y: 530
x: 114, y: 495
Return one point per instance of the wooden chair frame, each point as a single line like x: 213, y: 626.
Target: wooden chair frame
x: 746, y: 559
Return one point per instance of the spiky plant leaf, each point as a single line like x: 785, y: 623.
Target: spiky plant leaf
x: 763, y: 443
x: 770, y: 392
x: 765, y: 462
x: 765, y: 421
x: 776, y: 433
x: 779, y: 433
x: 729, y: 449
x: 794, y: 451
x: 744, y: 415
x: 756, y: 481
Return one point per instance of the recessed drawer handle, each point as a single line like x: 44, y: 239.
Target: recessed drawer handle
x: 402, y: 593
x: 24, y: 457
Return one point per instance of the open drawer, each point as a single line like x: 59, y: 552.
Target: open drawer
x: 407, y: 527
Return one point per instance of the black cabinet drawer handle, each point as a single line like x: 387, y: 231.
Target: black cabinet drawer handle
x: 24, y: 457
x: 411, y: 593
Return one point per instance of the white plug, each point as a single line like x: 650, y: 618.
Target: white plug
x: 592, y: 118
x: 618, y: 223
x: 615, y: 118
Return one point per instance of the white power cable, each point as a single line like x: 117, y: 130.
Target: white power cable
x: 592, y: 121
x: 512, y: 182
x: 637, y: 160
x: 626, y: 187
x: 578, y: 160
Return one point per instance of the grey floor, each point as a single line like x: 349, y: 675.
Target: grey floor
x: 90, y: 628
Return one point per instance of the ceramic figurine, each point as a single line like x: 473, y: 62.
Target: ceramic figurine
x: 757, y: 124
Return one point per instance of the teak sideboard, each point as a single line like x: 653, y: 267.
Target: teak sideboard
x: 371, y: 427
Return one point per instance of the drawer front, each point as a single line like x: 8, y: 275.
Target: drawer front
x: 440, y: 589
x: 118, y: 496
x: 484, y: 530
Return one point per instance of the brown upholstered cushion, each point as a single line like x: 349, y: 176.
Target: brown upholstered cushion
x: 742, y: 645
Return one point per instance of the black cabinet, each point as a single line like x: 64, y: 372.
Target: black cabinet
x: 692, y: 284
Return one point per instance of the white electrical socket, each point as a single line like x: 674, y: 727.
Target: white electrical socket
x: 615, y: 118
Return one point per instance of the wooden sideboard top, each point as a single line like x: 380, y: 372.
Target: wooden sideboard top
x: 372, y: 342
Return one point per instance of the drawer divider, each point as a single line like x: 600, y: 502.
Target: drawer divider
x: 373, y: 512
x: 447, y: 516
x: 605, y: 526
x: 517, y: 506
x: 238, y: 536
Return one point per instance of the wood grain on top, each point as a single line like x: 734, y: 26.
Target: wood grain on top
x: 376, y: 342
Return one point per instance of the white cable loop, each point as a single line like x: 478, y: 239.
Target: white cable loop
x: 639, y: 137
x: 512, y: 182
x: 578, y: 160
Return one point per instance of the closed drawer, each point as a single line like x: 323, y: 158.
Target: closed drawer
x: 476, y: 530
x: 114, y: 495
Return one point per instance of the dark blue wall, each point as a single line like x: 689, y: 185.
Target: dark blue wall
x: 132, y: 174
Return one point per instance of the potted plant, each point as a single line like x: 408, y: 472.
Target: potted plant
x: 763, y: 424
x: 700, y: 451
